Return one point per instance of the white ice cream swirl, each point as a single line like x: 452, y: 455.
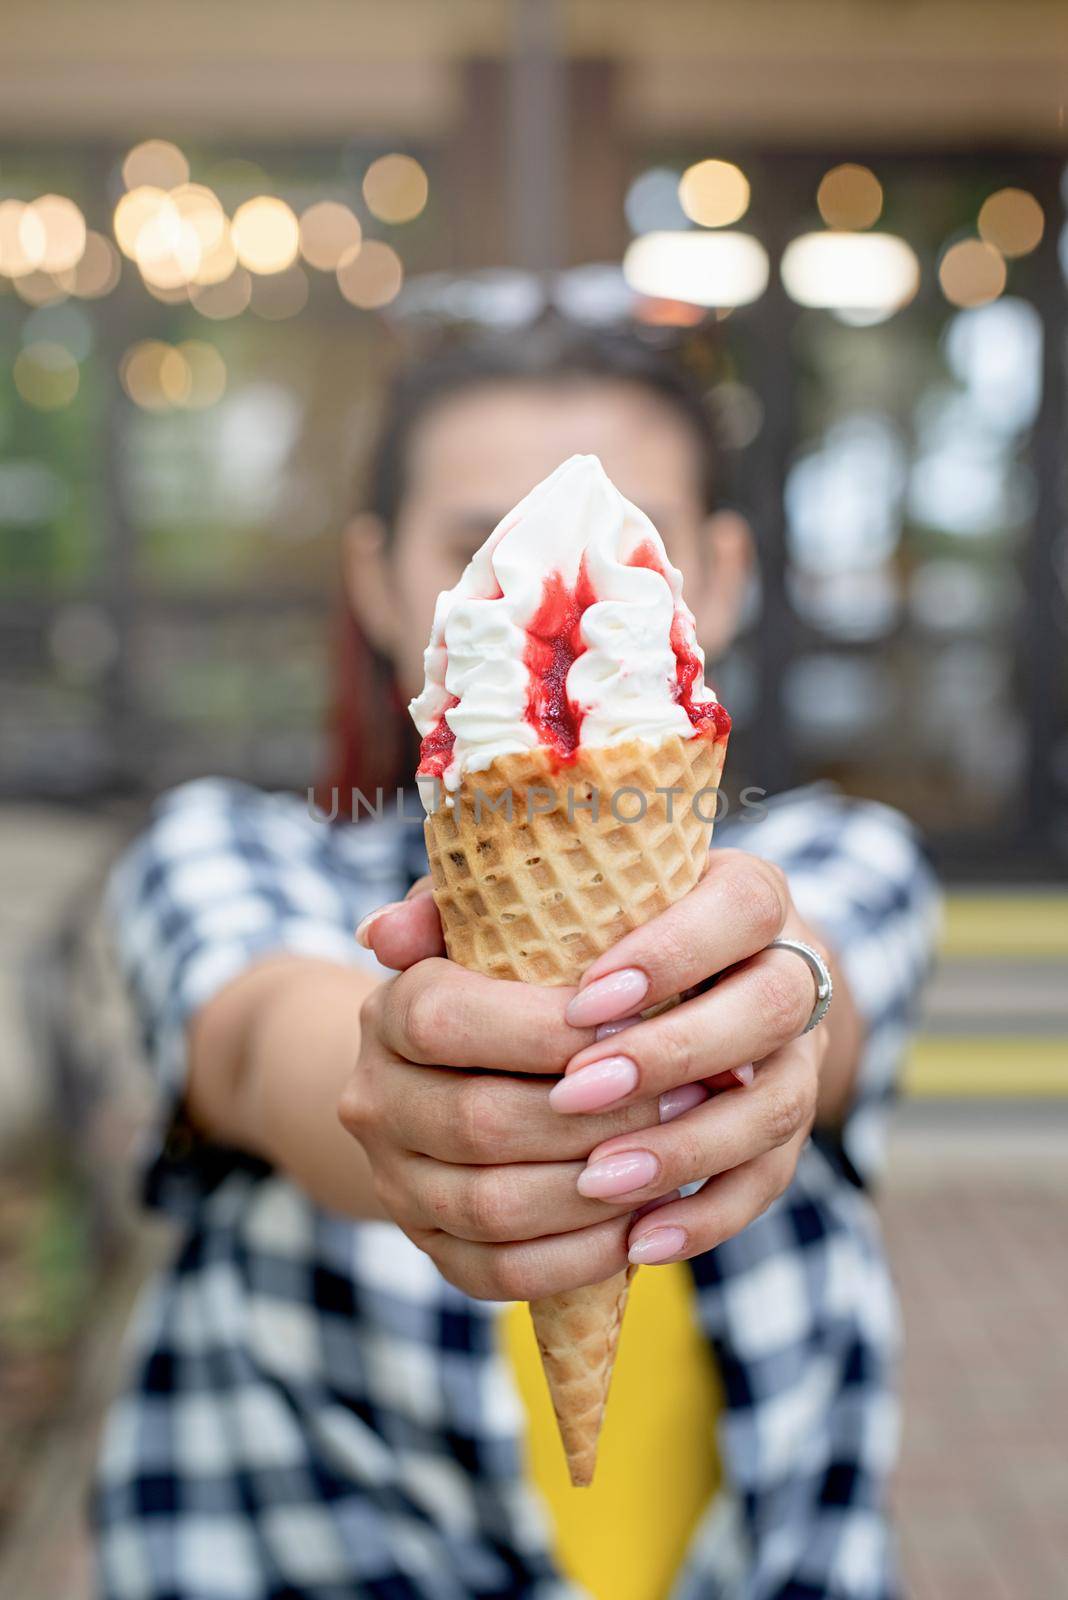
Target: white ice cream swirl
x: 624, y: 681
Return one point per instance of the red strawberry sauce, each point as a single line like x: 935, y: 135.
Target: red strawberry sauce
x: 554, y: 643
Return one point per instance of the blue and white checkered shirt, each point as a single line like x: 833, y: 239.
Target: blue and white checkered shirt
x: 314, y: 1413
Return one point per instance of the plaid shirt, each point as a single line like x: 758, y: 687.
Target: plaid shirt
x: 314, y: 1412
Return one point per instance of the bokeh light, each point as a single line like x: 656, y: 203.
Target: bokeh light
x: 57, y: 230
x: 98, y: 271
x: 39, y: 289
x: 703, y: 269
x: 850, y: 196
x: 139, y: 374
x: 133, y: 212
x: 265, y: 234
x: 371, y: 275
x: 167, y: 249
x: 328, y: 230
x: 971, y: 273
x: 218, y: 262
x: 46, y: 375
x: 175, y: 294
x: 395, y: 188
x: 866, y: 275
x: 159, y: 377
x: 207, y: 374
x: 652, y: 201
x: 1012, y: 221
x: 714, y: 193
x: 199, y: 209
x: 228, y: 298
x: 282, y: 295
x: 15, y: 261
x: 157, y: 163
x: 154, y: 375
x: 66, y: 325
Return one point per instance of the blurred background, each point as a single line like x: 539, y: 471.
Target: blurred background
x: 220, y: 228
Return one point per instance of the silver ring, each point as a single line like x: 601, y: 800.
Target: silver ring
x: 819, y: 970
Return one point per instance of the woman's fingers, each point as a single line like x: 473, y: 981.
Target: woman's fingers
x: 499, y: 1203
x: 750, y: 1012
x: 483, y: 1118
x: 738, y: 907
x: 529, y: 1268
x: 725, y: 1132
x: 406, y: 931
x: 439, y: 1014
x: 720, y: 1209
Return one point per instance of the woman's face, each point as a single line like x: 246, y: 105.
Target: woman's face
x: 478, y: 454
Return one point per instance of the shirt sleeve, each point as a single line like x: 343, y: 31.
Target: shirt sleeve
x: 858, y: 874
x: 222, y: 877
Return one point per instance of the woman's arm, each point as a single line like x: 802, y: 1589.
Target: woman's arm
x: 268, y: 1058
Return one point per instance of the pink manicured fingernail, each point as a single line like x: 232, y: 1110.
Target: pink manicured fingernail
x: 608, y: 998
x: 372, y: 916
x: 607, y: 1029
x: 659, y: 1244
x: 592, y: 1088
x: 616, y: 1175
x: 745, y: 1076
x: 675, y: 1101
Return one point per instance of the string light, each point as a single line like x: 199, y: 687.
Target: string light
x: 15, y: 261
x: 1012, y: 221
x: 167, y: 249
x: 52, y: 231
x: 39, y: 289
x: 157, y: 163
x: 200, y: 210
x: 207, y: 374
x: 714, y: 193
x: 217, y: 263
x: 265, y: 234
x: 395, y: 188
x: 46, y: 375
x: 160, y: 377
x: 140, y: 373
x: 227, y: 298
x: 133, y: 212
x: 371, y: 275
x: 971, y: 273
x: 850, y: 196
x: 328, y: 230
x: 97, y: 272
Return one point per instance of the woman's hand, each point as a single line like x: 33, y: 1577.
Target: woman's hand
x: 519, y: 1187
x: 746, y: 1143
x: 469, y: 1159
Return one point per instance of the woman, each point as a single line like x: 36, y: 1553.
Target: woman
x: 324, y: 1396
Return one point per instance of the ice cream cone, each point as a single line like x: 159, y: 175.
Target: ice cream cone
x: 538, y: 868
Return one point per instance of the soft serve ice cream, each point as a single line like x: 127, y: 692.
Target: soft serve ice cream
x: 567, y: 630
x: 566, y: 651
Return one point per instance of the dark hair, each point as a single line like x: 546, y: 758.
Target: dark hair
x: 372, y: 746
x: 552, y: 353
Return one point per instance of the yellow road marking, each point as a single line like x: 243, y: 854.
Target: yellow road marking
x: 1020, y: 927
x: 988, y: 1066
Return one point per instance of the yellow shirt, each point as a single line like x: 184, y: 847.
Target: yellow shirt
x: 625, y: 1537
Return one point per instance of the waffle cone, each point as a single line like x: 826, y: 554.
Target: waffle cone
x: 537, y: 870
